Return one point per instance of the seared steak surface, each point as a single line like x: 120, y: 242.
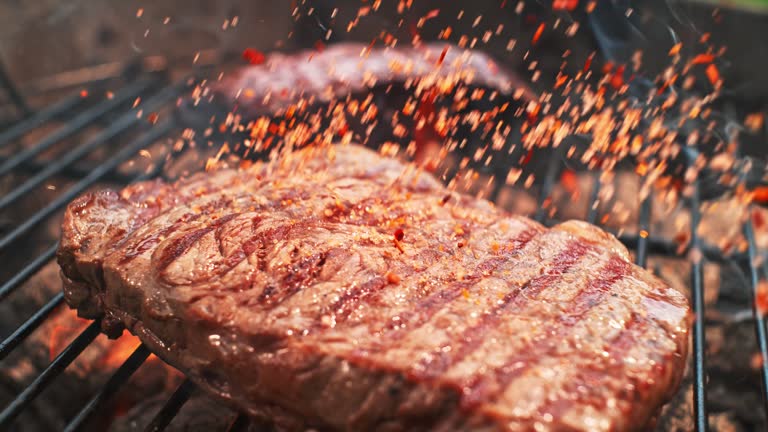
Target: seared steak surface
x: 341, y: 290
x: 345, y: 68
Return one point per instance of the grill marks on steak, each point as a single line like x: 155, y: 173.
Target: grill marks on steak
x: 290, y: 292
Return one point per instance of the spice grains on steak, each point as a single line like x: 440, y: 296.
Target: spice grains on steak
x: 337, y: 289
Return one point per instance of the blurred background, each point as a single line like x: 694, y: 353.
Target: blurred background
x: 42, y: 38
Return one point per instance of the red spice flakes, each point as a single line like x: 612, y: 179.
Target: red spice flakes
x: 393, y: 278
x: 569, y: 181
x: 152, y: 118
x: 758, y: 220
x: 675, y: 50
x: 754, y: 122
x: 537, y: 35
x: 83, y: 93
x: 681, y: 239
x: 399, y: 234
x: 527, y: 157
x: 442, y: 56
x: 253, y: 56
x: 713, y: 74
x: 666, y: 84
x: 445, y: 199
x: 432, y: 14
x: 703, y: 59
x: 532, y: 113
x: 588, y: 63
x: 568, y: 5
x: 460, y: 244
x: 761, y: 297
x: 641, y: 169
x: 319, y: 46
x: 760, y: 195
x: 617, y: 78
x: 561, y: 79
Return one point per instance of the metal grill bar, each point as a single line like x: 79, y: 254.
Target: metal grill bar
x: 134, y: 361
x: 172, y: 406
x: 25, y: 273
x: 699, y: 339
x: 62, y: 200
x: 117, y: 127
x: 53, y: 370
x: 13, y: 92
x: 78, y: 123
x: 74, y: 171
x: 757, y: 313
x: 39, y: 118
x: 30, y: 325
x: 547, y: 186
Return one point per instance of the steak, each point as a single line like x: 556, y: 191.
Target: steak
x: 337, y: 289
x: 344, y: 68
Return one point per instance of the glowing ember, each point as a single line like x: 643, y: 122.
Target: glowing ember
x: 253, y: 56
x: 761, y: 297
x: 538, y: 33
x: 568, y: 5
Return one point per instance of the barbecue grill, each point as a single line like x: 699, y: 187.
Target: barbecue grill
x: 124, y: 131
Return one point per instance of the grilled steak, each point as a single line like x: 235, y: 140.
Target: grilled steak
x: 346, y: 68
x: 341, y: 290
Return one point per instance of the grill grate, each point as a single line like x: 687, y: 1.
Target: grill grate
x: 157, y: 92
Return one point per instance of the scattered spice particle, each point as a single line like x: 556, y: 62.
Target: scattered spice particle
x: 561, y: 79
x: 758, y: 220
x: 761, y: 297
x: 152, y: 118
x: 399, y: 234
x: 83, y: 93
x: 393, y: 278
x: 569, y: 181
x: 253, y: 56
x: 713, y: 74
x: 760, y: 195
x: 703, y: 59
x: 442, y: 56
x: 538, y: 33
x: 567, y: 5
x: 755, y: 121
x: 432, y: 14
